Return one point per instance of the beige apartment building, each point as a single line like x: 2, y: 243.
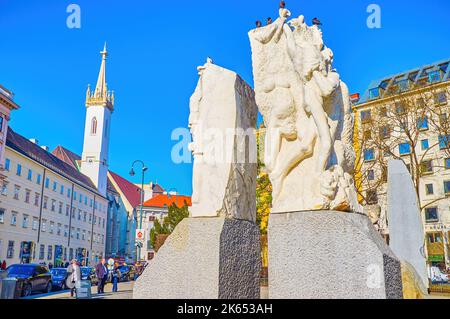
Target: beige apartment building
x: 49, y: 211
x: 405, y: 117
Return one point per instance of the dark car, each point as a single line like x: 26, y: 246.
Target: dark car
x: 88, y: 273
x: 59, y: 276
x: 127, y: 273
x: 34, y: 277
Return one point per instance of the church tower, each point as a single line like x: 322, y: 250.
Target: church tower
x: 99, y: 107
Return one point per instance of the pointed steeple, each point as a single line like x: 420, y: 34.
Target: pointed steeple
x: 101, y: 89
x: 101, y: 96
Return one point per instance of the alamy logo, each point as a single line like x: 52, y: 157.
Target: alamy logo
x: 74, y: 19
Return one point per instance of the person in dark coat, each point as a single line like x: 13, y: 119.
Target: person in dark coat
x: 3, y: 265
x: 101, y: 270
x: 115, y: 276
x: 73, y: 276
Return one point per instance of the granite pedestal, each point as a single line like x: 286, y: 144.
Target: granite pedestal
x: 330, y: 255
x: 205, y: 258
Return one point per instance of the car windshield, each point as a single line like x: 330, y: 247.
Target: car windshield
x: 20, y: 270
x: 58, y: 272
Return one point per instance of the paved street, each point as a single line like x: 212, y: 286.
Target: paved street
x: 125, y: 292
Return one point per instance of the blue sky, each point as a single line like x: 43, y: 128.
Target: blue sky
x: 155, y: 47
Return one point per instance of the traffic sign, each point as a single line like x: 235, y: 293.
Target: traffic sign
x: 140, y: 234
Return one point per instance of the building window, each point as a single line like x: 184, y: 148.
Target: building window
x: 30, y: 175
x: 371, y: 197
x: 36, y: 199
x: 440, y: 98
x: 84, y: 216
x: 425, y: 144
x: 25, y: 221
x: 27, y: 195
x: 429, y: 189
x: 434, y: 238
x: 83, y: 235
x: 85, y: 200
x: 68, y: 193
x: 19, y: 170
x: 443, y: 142
x: 10, y: 251
x: 426, y: 167
x: 66, y: 230
x: 447, y: 163
x: 61, y: 191
x: 80, y: 198
x: 44, y: 225
x: 58, y: 231
x: 369, y: 155
x: 45, y: 202
x: 41, y: 252
x: 53, y: 205
x: 374, y: 93
x: 94, y: 126
x: 60, y: 207
x: 5, y: 188
x: 366, y: 116
x: 79, y: 214
x: 447, y: 187
x: 13, y: 221
x: 71, y: 253
x: 422, y: 124
x: 55, y: 185
x: 47, y: 182
x: 16, y: 191
x: 52, y: 227
x: 2, y: 215
x: 431, y: 214
x: 50, y: 252
x: 35, y: 224
x: 7, y: 164
x: 404, y: 149
x: 38, y: 179
x: 385, y: 132
x: 371, y: 175
x: 67, y: 210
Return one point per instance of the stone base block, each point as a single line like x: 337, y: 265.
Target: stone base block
x: 205, y: 258
x: 330, y: 255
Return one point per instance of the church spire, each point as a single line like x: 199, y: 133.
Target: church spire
x: 101, y: 94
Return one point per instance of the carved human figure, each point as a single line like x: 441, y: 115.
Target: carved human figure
x: 306, y: 110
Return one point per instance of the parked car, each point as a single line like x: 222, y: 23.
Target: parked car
x: 59, y: 276
x: 127, y: 273
x: 88, y: 273
x: 34, y: 277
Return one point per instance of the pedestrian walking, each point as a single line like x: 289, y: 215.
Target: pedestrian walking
x: 67, y: 264
x: 102, y: 274
x: 115, y: 276
x: 3, y: 265
x: 50, y: 265
x: 73, y: 276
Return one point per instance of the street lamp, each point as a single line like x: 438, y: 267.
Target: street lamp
x: 132, y: 173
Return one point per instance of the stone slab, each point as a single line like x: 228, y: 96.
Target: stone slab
x: 330, y: 255
x: 205, y: 258
x: 406, y: 233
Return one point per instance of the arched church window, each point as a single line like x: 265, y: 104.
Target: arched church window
x: 94, y: 126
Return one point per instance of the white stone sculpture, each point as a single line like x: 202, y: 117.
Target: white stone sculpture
x: 222, y: 121
x: 306, y: 108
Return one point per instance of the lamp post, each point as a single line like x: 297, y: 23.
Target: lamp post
x: 132, y: 173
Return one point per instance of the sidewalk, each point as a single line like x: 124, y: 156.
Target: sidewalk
x: 125, y: 291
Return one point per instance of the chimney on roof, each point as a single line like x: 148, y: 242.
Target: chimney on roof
x: 34, y: 141
x: 45, y: 148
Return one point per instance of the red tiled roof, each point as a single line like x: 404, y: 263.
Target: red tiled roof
x: 33, y: 151
x: 164, y: 200
x: 67, y: 156
x: 128, y: 189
